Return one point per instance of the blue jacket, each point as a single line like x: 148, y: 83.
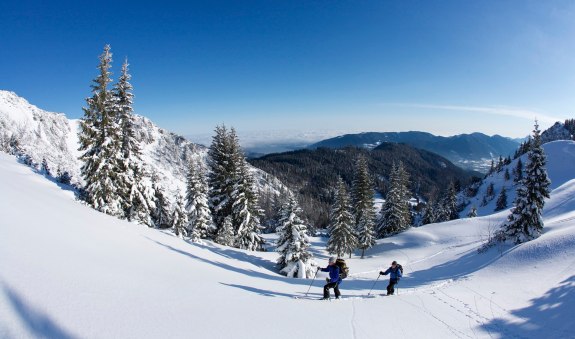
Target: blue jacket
x: 333, y: 273
x: 395, y: 273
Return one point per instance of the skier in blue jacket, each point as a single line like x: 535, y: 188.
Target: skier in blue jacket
x: 395, y: 275
x: 333, y: 280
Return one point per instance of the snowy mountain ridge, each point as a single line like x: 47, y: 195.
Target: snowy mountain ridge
x: 51, y: 136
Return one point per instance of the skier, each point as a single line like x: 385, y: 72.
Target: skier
x: 396, y: 274
x: 333, y: 280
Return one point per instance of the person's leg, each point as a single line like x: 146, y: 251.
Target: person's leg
x: 326, y: 290
x: 391, y: 289
x: 336, y: 290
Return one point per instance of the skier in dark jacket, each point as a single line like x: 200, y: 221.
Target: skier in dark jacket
x: 333, y: 280
x: 393, y: 278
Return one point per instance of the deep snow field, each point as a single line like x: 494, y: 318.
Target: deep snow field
x: 67, y: 271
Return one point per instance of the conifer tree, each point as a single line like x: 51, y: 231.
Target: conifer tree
x: 179, y: 218
x: 141, y: 204
x: 518, y: 172
x: 429, y: 215
x: 232, y: 191
x: 100, y: 143
x: 200, y: 224
x: 45, y: 169
x: 448, y: 209
x: 295, y: 259
x: 161, y: 214
x: 130, y: 159
x: 395, y: 214
x: 221, y: 175
x: 362, y: 206
x: 245, y: 210
x: 525, y: 222
x: 225, y: 234
x: 501, y: 200
x: 342, y: 238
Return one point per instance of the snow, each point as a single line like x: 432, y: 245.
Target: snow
x: 68, y: 271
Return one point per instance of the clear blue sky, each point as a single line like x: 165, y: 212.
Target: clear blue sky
x: 445, y: 67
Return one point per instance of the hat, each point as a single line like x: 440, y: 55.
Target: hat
x: 332, y: 260
x: 394, y: 262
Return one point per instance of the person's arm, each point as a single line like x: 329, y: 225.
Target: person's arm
x: 386, y: 272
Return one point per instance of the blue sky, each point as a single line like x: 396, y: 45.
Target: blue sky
x: 445, y: 67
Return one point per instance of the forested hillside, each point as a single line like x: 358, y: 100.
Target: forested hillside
x: 312, y: 173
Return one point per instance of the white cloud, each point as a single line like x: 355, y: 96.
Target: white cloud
x: 513, y: 112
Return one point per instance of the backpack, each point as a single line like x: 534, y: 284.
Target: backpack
x: 343, y: 269
x: 400, y: 268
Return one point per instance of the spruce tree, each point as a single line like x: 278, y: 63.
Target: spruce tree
x: 130, y: 159
x: 245, y: 209
x: 200, y: 224
x: 293, y: 244
x: 161, y: 214
x: 232, y: 191
x: 518, y: 172
x: 45, y: 169
x: 501, y: 200
x: 429, y: 215
x: 449, y: 209
x: 220, y: 177
x: 141, y: 202
x: 99, y: 138
x: 342, y: 238
x: 179, y: 218
x: 362, y: 206
x: 225, y: 234
x: 395, y: 214
x: 525, y: 222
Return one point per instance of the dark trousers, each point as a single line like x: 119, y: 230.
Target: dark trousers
x: 335, y: 287
x: 391, y: 286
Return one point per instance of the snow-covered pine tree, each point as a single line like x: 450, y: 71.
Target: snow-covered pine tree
x: 525, y: 222
x: 45, y: 169
x: 179, y: 218
x: 518, y: 172
x: 395, y: 214
x: 448, y: 205
x: 501, y: 200
x: 130, y: 158
x: 99, y: 138
x: 362, y: 206
x: 245, y: 210
x: 141, y: 199
x: 342, y: 238
x: 295, y: 259
x: 225, y: 234
x: 232, y: 191
x: 220, y: 176
x: 200, y: 224
x: 161, y: 214
x: 429, y: 215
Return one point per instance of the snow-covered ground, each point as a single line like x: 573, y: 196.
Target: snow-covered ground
x: 67, y: 271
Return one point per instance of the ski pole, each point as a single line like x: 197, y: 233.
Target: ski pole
x: 312, y: 281
x: 373, y: 284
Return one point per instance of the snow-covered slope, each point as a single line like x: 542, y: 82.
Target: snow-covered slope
x: 67, y: 271
x: 560, y: 168
x: 51, y: 136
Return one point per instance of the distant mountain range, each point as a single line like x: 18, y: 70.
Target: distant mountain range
x: 470, y: 151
